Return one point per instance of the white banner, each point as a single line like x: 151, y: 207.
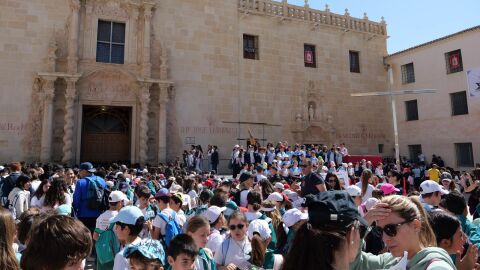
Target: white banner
x: 473, y: 77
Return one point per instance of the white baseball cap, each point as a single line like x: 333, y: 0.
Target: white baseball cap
x: 292, y: 216
x: 275, y: 196
x: 430, y: 186
x: 261, y: 227
x: 279, y: 186
x: 117, y: 196
x: 213, y: 212
x: 354, y: 191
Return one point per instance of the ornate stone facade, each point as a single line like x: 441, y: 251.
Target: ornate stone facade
x: 184, y: 76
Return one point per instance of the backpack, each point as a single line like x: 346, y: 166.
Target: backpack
x: 237, y: 195
x: 6, y: 186
x: 107, y: 245
x: 12, y: 206
x: 172, y: 228
x: 97, y: 199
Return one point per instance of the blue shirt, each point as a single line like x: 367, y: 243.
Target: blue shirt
x: 80, y: 199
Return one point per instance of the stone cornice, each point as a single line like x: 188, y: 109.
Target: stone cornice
x: 59, y: 75
x: 287, y: 12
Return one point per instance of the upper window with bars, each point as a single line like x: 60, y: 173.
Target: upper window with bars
x: 408, y: 73
x: 110, y: 42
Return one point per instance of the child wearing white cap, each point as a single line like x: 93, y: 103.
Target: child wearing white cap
x: 214, y: 215
x: 293, y: 219
x: 259, y: 235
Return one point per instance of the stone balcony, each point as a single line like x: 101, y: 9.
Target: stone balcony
x: 285, y: 11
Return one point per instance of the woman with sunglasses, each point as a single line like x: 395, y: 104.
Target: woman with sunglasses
x: 332, y: 182
x: 408, y: 237
x: 234, y: 251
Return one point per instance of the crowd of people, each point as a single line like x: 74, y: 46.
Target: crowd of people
x: 284, y: 207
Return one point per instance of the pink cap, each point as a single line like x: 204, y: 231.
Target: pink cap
x: 388, y: 189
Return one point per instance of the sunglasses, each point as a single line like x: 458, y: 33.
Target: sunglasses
x: 392, y: 229
x: 238, y: 226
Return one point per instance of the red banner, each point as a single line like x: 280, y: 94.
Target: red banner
x: 454, y: 60
x: 309, y: 57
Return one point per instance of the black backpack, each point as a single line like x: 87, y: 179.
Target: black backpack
x: 6, y: 186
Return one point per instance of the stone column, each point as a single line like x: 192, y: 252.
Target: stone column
x: 88, y: 43
x: 144, y: 100
x: 162, y: 123
x: 47, y: 120
x: 147, y: 16
x: 70, y: 97
x: 73, y: 34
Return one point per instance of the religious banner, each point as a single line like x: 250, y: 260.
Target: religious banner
x: 473, y: 78
x: 308, y: 57
x: 454, y: 60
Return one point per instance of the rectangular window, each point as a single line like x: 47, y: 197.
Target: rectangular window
x: 250, y: 47
x: 412, y: 110
x: 354, y: 61
x: 408, y: 73
x: 380, y: 148
x: 414, y: 150
x: 309, y: 56
x: 110, y: 42
x: 454, y: 62
x: 464, y: 154
x: 459, y: 103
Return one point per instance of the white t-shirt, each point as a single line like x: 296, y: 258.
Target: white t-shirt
x: 37, y: 202
x: 193, y: 198
x: 103, y: 221
x: 215, y: 240
x: 120, y: 262
x: 35, y: 184
x: 243, y: 198
x: 236, y: 253
x: 160, y: 223
x: 368, y: 194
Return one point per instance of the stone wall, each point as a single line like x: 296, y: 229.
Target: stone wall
x: 198, y: 46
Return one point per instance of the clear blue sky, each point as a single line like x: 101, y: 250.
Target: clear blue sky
x: 409, y: 22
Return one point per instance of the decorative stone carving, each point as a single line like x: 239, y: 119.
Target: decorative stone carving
x: 73, y: 34
x: 51, y: 55
x: 311, y: 111
x: 47, y: 121
x: 31, y: 141
x: 164, y: 64
x: 70, y: 97
x: 107, y: 85
x: 112, y: 10
x: 144, y: 100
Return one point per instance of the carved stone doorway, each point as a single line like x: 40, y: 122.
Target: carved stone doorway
x: 106, y: 134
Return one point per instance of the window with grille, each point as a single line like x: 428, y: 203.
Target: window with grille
x: 411, y: 109
x: 459, y: 103
x: 354, y: 61
x: 250, y: 47
x: 408, y: 73
x: 110, y: 42
x: 309, y: 56
x: 464, y: 154
x: 414, y: 150
x: 453, y: 60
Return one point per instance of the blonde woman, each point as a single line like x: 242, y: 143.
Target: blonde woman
x: 407, y: 234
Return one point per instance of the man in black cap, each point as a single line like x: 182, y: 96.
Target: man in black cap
x: 81, y: 197
x: 312, y: 183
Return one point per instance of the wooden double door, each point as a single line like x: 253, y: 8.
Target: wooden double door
x: 106, y: 134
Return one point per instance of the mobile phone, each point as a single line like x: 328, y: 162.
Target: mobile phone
x: 465, y: 248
